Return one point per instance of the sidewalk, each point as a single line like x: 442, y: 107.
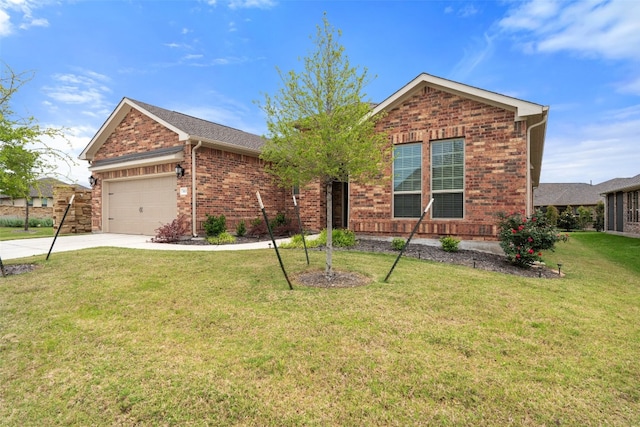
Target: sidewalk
x: 23, y: 248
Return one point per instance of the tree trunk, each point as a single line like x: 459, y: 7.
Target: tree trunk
x: 329, y: 251
x: 26, y: 216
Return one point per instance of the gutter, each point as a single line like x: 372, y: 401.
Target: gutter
x: 529, y: 191
x: 194, y: 203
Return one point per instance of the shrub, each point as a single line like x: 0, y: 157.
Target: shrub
x: 15, y: 222
x: 278, y: 221
x: 258, y: 228
x: 397, y: 244
x: 221, y: 239
x: 449, y: 244
x: 173, y: 231
x: 598, y: 224
x: 215, y: 225
x: 341, y: 238
x: 552, y: 216
x: 585, y: 217
x: 241, y: 229
x: 567, y: 220
x: 523, y: 239
x: 297, y: 243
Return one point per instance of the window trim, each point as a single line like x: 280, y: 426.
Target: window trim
x: 449, y: 191
x: 412, y: 192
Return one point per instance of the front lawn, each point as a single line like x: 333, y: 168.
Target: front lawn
x: 127, y: 337
x: 14, y: 233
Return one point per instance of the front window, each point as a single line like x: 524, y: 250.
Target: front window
x: 634, y: 206
x: 407, y: 181
x: 447, y: 178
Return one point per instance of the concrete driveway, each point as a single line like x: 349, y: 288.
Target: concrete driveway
x: 23, y: 248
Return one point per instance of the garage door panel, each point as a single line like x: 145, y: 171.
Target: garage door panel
x: 141, y: 206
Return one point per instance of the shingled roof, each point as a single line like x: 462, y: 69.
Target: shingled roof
x: 578, y: 194
x: 202, y: 129
x: 187, y: 127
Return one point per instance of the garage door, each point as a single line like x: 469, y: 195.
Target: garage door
x: 141, y: 206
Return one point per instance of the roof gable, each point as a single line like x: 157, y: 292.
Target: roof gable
x: 187, y: 128
x: 522, y: 109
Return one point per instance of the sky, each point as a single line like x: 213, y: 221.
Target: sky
x: 217, y: 59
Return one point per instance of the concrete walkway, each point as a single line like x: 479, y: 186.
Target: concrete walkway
x: 23, y: 248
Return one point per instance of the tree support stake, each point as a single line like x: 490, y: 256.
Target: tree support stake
x: 409, y: 239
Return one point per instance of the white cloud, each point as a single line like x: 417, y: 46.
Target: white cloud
x: 249, y: 4
x: 5, y: 23
x: 20, y: 10
x: 605, y: 29
x: 86, y: 88
x: 632, y: 87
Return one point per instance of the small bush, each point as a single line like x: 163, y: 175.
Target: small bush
x: 397, y: 244
x: 241, y: 229
x: 552, y: 215
x: 598, y: 223
x: 585, y: 217
x: 297, y: 243
x: 567, y: 220
x: 258, y: 228
x: 523, y: 239
x: 278, y: 221
x: 341, y: 238
x: 173, y: 231
x: 449, y: 244
x: 221, y: 239
x: 215, y: 225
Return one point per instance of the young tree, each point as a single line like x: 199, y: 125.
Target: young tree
x: 320, y: 129
x: 24, y: 157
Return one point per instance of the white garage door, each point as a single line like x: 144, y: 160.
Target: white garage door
x: 141, y: 206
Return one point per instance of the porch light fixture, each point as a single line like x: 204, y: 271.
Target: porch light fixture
x: 93, y: 181
x: 179, y: 171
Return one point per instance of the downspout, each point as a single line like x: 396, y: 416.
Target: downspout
x: 529, y: 195
x: 194, y: 202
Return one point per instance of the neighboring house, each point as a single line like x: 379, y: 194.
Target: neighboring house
x: 40, y: 195
x: 475, y: 152
x: 575, y: 195
x: 622, y: 207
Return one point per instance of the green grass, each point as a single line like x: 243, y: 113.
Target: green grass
x: 125, y: 337
x: 11, y: 233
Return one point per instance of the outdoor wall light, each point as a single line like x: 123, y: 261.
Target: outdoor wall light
x: 179, y: 171
x: 93, y: 181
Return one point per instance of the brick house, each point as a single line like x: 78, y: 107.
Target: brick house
x: 474, y: 151
x: 622, y: 207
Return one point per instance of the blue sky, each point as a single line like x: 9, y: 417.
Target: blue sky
x: 214, y: 59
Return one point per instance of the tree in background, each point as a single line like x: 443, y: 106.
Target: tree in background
x: 320, y: 129
x: 24, y: 157
x: 567, y: 220
x: 585, y: 217
x: 552, y: 216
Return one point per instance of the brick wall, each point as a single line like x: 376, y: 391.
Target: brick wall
x: 227, y: 185
x: 495, y: 166
x: 19, y: 211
